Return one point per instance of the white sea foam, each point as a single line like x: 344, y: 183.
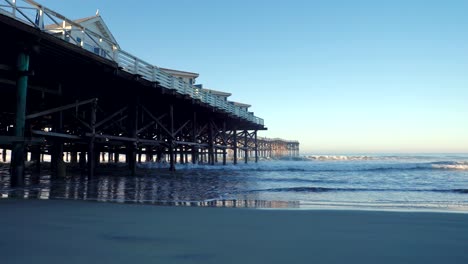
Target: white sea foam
x: 451, y: 166
x: 339, y: 157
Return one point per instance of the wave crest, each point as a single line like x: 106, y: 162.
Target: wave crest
x: 328, y: 189
x: 461, y: 165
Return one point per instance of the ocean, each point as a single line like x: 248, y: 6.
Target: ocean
x: 436, y: 182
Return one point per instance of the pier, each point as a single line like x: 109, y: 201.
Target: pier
x: 69, y: 91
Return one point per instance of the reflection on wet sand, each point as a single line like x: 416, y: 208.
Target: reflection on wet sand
x: 183, y: 189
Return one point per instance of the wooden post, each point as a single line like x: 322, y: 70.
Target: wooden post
x: 148, y: 154
x: 36, y: 158
x: 246, y: 147
x: 116, y: 155
x: 133, y: 127
x: 194, y: 139
x: 17, y: 157
x: 73, y: 156
x: 4, y: 152
x: 91, y: 150
x: 140, y: 152
x: 159, y: 153
x: 235, y: 146
x: 211, y: 156
x: 181, y: 155
x: 56, y: 162
x: 171, y: 139
x: 256, y: 147
x: 224, y: 142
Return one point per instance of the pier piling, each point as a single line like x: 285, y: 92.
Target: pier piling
x: 17, y: 160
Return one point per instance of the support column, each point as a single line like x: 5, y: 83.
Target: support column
x: 140, y: 152
x: 56, y: 161
x: 82, y: 160
x: 246, y: 147
x: 171, y: 139
x: 17, y: 158
x: 256, y: 147
x: 148, y: 154
x: 194, y: 139
x: 181, y: 155
x: 235, y: 146
x: 73, y: 157
x: 4, y: 152
x: 133, y: 127
x: 224, y: 143
x: 91, y: 150
x: 159, y: 153
x: 211, y: 158
x: 116, y: 155
x: 36, y: 158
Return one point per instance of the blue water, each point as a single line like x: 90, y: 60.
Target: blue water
x: 394, y: 182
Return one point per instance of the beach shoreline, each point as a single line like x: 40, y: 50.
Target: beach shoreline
x: 64, y: 231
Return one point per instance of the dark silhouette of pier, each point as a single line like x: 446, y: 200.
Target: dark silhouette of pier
x: 72, y: 93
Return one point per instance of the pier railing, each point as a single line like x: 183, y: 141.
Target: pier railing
x: 49, y: 21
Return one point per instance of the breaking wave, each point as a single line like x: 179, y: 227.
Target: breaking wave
x: 327, y: 189
x: 307, y: 166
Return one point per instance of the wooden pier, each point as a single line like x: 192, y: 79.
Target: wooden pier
x: 70, y: 92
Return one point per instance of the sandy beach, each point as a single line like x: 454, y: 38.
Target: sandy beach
x: 59, y: 231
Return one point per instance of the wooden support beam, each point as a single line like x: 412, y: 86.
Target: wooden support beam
x: 9, y: 140
x: 61, y: 108
x: 32, y: 87
x: 168, y: 132
x: 105, y: 120
x: 146, y: 127
x: 56, y: 134
x: 114, y: 122
x: 84, y: 123
x: 180, y: 128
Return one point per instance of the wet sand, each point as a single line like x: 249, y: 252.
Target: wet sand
x: 58, y: 231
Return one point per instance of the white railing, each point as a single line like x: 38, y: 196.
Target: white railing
x: 40, y: 17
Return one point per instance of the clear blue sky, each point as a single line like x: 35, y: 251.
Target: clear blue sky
x: 339, y: 76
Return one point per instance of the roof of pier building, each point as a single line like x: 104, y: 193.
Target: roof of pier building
x: 218, y: 93
x: 241, y: 104
x: 93, y: 23
x: 184, y: 75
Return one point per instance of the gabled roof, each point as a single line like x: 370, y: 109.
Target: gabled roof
x: 85, y: 22
x: 218, y: 93
x: 240, y: 104
x: 180, y: 73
